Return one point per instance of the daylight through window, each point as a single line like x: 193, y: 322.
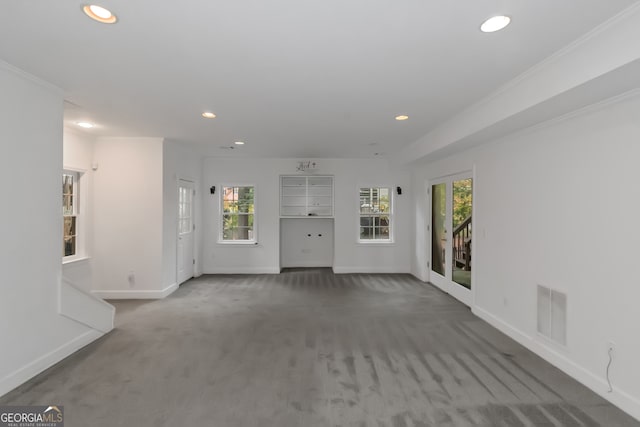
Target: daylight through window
x: 238, y: 214
x: 375, y: 214
x: 70, y: 213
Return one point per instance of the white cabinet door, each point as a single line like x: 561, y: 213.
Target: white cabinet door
x: 306, y: 242
x: 306, y: 196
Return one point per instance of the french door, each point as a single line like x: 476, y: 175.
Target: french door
x: 451, y: 222
x: 185, y: 249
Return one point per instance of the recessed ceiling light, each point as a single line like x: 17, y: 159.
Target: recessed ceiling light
x: 85, y: 125
x: 208, y: 115
x: 239, y: 142
x: 495, y: 23
x: 402, y: 117
x: 99, y: 13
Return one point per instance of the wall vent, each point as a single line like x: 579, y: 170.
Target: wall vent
x: 552, y: 314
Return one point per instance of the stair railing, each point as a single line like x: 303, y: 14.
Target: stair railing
x: 462, y: 244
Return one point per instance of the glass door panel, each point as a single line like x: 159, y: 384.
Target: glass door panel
x: 439, y: 234
x: 451, y: 220
x: 461, y: 235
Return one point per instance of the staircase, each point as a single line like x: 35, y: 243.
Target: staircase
x: 462, y: 245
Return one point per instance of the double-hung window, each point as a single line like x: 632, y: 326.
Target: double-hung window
x: 238, y: 214
x: 375, y: 214
x: 70, y: 213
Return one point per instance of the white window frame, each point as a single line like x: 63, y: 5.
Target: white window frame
x: 254, y: 238
x: 388, y: 241
x: 78, y: 212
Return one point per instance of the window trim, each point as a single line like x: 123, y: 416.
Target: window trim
x: 79, y: 193
x: 390, y: 240
x: 254, y: 240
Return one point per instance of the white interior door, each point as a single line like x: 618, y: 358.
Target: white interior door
x: 185, y: 231
x: 451, y: 201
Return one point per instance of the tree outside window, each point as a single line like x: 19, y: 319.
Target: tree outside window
x: 238, y: 213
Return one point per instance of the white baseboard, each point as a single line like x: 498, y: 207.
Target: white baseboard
x: 136, y: 294
x: 33, y: 368
x: 371, y: 269
x: 420, y: 276
x: 308, y: 264
x: 618, y: 397
x: 242, y: 270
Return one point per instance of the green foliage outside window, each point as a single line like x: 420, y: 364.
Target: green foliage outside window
x: 238, y: 213
x: 462, y: 193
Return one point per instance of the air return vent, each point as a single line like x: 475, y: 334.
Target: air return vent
x: 552, y: 314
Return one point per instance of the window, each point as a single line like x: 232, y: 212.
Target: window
x: 70, y: 213
x: 185, y: 207
x: 238, y: 214
x: 375, y: 214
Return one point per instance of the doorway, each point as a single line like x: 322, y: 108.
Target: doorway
x: 451, y: 200
x: 185, y: 250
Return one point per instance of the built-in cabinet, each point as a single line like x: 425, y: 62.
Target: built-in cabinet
x: 308, y: 196
x: 306, y: 227
x: 306, y: 242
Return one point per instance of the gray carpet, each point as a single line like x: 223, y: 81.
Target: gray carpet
x: 310, y: 348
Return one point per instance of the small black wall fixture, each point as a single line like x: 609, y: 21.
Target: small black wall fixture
x: 399, y: 190
x: 213, y: 189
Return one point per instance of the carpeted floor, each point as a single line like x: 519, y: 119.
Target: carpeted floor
x: 309, y: 348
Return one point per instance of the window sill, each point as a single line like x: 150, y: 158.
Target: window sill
x: 376, y: 243
x: 237, y: 243
x: 78, y: 260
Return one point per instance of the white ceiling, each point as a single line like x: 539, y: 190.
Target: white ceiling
x: 292, y: 78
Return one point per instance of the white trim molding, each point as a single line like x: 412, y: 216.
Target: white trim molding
x: 20, y: 72
x: 137, y: 294
x: 372, y: 269
x: 35, y: 367
x: 618, y: 397
x: 242, y: 270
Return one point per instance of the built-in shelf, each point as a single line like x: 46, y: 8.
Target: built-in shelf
x: 306, y: 196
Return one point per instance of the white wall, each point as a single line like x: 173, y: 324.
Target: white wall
x: 33, y: 334
x: 349, y: 175
x: 128, y: 189
x: 179, y: 162
x: 556, y: 206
